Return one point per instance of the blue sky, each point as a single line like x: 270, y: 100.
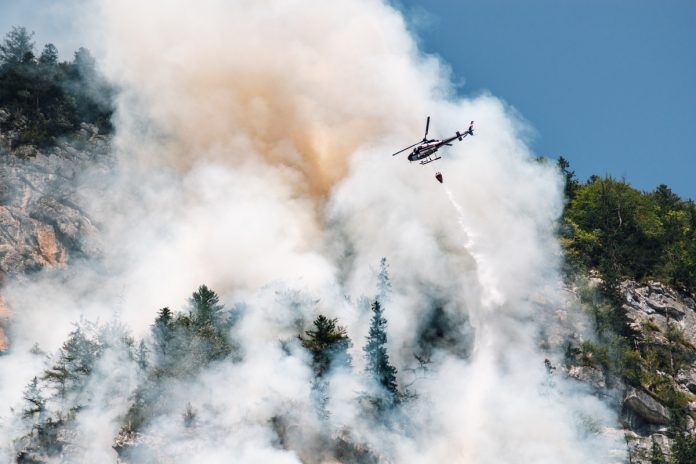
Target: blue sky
x: 609, y: 84
x: 56, y: 21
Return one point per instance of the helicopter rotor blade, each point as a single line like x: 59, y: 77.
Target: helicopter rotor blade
x: 427, y: 126
x: 410, y: 146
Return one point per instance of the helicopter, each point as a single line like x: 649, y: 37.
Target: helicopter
x: 426, y: 148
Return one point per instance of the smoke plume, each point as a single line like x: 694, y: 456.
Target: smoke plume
x: 253, y: 141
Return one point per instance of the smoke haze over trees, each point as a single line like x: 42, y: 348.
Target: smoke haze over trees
x: 259, y: 168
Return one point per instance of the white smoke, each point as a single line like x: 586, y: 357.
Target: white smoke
x: 253, y: 140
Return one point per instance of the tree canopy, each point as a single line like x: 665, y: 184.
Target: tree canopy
x: 17, y: 47
x: 612, y: 227
x: 44, y: 99
x: 378, y: 365
x: 328, y: 342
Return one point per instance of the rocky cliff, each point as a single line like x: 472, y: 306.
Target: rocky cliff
x: 652, y: 382
x: 43, y: 193
x: 665, y: 324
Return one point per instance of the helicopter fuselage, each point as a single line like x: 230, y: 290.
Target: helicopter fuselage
x: 425, y: 150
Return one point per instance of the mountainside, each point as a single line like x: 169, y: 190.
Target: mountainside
x: 655, y: 383
x: 44, y: 225
x: 229, y: 267
x: 42, y: 200
x: 664, y: 322
x: 41, y: 220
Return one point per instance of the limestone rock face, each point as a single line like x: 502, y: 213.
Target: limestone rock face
x: 658, y: 304
x: 43, y: 221
x: 646, y: 407
x: 589, y: 375
x: 687, y: 378
x: 44, y: 194
x: 640, y: 447
x: 653, y: 309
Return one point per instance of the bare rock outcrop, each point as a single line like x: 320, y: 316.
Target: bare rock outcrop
x: 641, y: 447
x: 664, y: 321
x: 43, y: 221
x: 43, y: 197
x: 687, y: 379
x: 646, y: 407
x: 657, y: 304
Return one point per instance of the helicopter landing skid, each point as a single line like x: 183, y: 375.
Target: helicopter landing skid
x: 430, y: 160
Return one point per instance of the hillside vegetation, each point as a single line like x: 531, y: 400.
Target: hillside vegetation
x: 43, y: 98
x: 622, y: 232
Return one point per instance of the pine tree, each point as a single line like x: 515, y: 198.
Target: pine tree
x: 209, y: 341
x: 665, y: 198
x: 205, y: 306
x: 85, y: 63
x: 75, y: 362
x: 378, y: 366
x: 162, y: 332
x: 328, y: 343
x: 656, y: 454
x: 189, y: 416
x: 17, y: 46
x: 383, y: 282
x: 49, y: 55
x: 571, y: 183
x: 141, y: 356
x: 36, y: 403
x: 684, y: 448
x: 68, y: 375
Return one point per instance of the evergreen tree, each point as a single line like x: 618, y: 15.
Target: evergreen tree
x: 141, y: 358
x: 571, y: 183
x: 684, y: 449
x: 328, y: 343
x: 85, y: 63
x: 162, y: 332
x: 17, y: 47
x: 383, y: 282
x: 666, y: 199
x: 209, y: 327
x: 49, y: 55
x: 656, y: 454
x: 378, y: 366
x: 76, y: 359
x: 205, y: 306
x: 189, y: 416
x: 69, y: 375
x: 43, y: 437
x: 36, y: 403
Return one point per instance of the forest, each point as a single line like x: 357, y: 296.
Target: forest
x: 43, y: 98
x: 613, y: 228
x: 179, y: 348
